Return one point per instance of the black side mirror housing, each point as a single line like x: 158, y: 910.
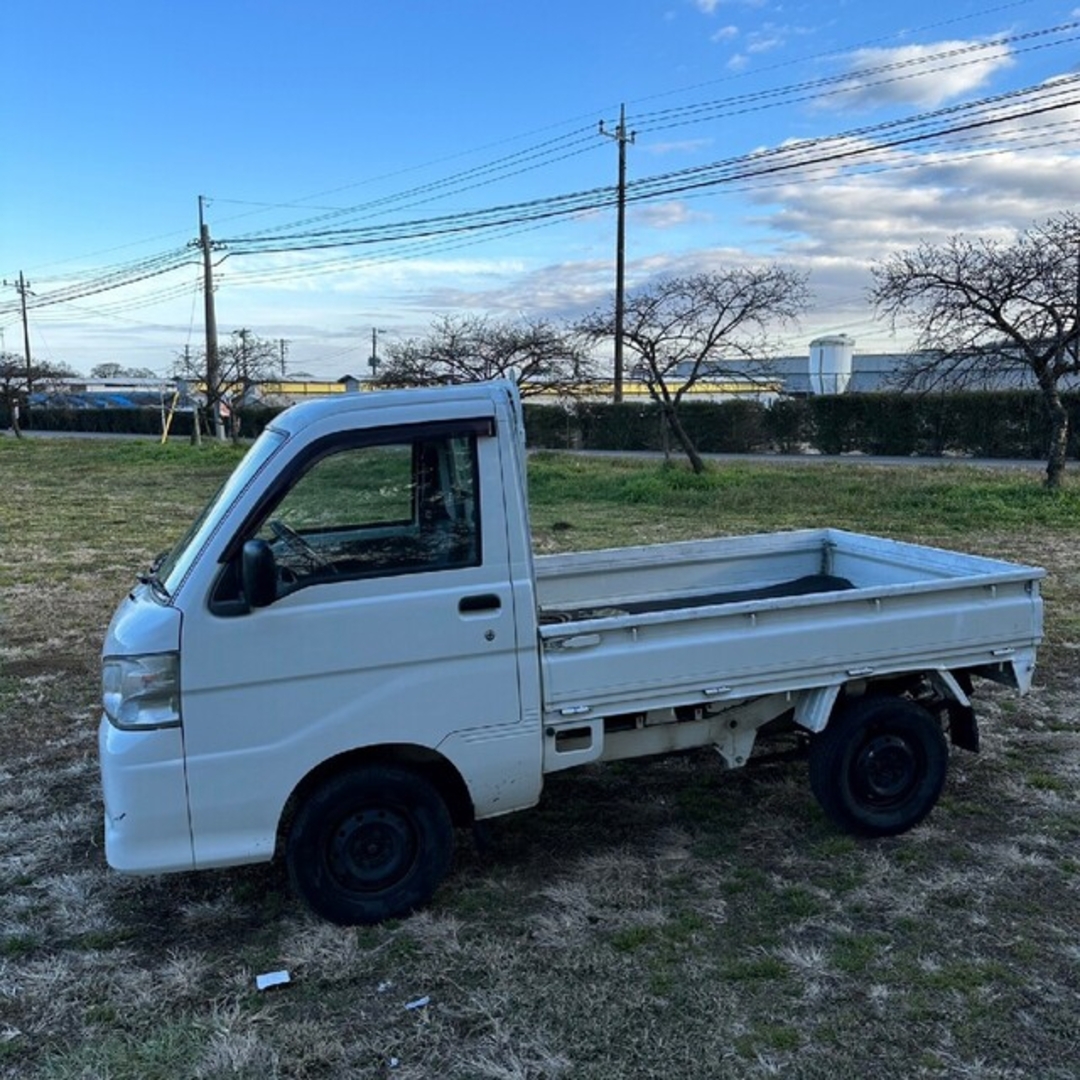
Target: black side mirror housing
x: 258, y: 573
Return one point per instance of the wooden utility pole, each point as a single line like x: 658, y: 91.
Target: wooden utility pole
x: 243, y: 333
x: 622, y: 138
x: 213, y: 377
x: 282, y: 343
x: 373, y: 362
x: 1076, y: 310
x: 22, y: 287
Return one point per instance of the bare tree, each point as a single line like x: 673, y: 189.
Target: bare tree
x: 13, y: 383
x: 118, y: 371
x: 536, y: 354
x: 684, y: 329
x: 246, y: 359
x: 12, y: 386
x: 991, y: 311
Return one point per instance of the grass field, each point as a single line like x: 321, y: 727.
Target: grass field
x: 653, y: 919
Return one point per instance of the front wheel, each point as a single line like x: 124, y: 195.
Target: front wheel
x: 879, y: 767
x: 372, y: 843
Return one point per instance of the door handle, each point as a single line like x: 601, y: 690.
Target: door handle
x: 472, y: 605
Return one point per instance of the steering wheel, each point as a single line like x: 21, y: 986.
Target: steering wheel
x: 292, y: 539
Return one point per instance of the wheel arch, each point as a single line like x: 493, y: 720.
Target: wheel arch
x: 437, y: 769
x: 816, y: 708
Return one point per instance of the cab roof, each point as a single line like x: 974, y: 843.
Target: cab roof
x: 483, y: 394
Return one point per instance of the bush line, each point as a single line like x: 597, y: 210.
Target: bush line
x: 1009, y: 424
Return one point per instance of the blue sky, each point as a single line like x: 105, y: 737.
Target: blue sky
x: 305, y: 117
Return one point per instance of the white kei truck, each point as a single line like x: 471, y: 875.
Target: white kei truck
x: 353, y: 650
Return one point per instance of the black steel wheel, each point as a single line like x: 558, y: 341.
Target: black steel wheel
x: 370, y: 844
x: 879, y: 767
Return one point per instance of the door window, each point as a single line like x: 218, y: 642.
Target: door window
x: 393, y: 508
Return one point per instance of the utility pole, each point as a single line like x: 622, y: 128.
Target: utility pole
x: 282, y: 348
x: 1076, y: 310
x: 22, y: 287
x: 212, y: 373
x: 243, y: 335
x: 622, y: 138
x: 373, y: 363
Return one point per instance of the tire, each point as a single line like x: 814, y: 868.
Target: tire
x: 370, y: 844
x: 879, y: 767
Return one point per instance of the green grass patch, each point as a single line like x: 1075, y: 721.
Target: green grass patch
x: 1047, y: 781
x: 747, y: 497
x: 756, y: 969
x: 854, y: 953
x: 796, y: 902
x: 634, y: 938
x: 768, y: 1038
x: 17, y: 945
x: 96, y: 940
x: 164, y: 1051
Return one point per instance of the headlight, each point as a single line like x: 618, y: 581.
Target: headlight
x: 141, y: 691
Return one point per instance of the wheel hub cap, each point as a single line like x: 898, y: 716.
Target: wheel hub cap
x: 887, y: 768
x: 371, y: 849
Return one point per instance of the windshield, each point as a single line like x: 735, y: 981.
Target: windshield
x: 172, y: 569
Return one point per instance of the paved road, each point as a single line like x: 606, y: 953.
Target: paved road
x: 821, y: 459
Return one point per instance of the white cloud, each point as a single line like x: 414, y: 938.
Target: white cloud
x: 864, y: 217
x: 766, y: 38
x: 710, y: 7
x: 684, y: 146
x: 922, y: 75
x: 667, y: 215
x: 764, y: 42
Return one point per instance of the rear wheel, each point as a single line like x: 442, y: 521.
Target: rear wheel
x: 879, y: 767
x: 370, y: 844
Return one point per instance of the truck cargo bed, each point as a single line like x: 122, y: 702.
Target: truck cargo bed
x: 728, y: 619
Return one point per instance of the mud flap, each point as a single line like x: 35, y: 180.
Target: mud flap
x: 963, y: 727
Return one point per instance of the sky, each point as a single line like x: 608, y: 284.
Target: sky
x: 378, y: 165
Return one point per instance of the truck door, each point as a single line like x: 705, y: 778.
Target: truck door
x: 392, y: 625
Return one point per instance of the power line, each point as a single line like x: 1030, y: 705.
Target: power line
x: 395, y: 249
x: 846, y: 83
x: 577, y: 142
x: 447, y: 230
x: 852, y: 145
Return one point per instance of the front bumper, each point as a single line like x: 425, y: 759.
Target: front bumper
x: 147, y: 827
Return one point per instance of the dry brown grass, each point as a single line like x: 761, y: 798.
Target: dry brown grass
x: 653, y: 919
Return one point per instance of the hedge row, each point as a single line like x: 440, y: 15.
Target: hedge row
x: 993, y: 425
x: 121, y: 421
x: 1008, y: 424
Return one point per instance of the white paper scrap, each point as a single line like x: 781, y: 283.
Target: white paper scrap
x: 419, y: 1003
x: 271, y: 978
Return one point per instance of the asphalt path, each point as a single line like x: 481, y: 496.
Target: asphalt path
x: 822, y: 459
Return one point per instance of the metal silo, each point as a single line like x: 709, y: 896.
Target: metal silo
x: 830, y: 363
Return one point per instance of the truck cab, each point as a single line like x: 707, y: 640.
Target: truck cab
x: 359, y: 595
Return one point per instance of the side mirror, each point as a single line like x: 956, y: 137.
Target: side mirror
x: 258, y: 573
